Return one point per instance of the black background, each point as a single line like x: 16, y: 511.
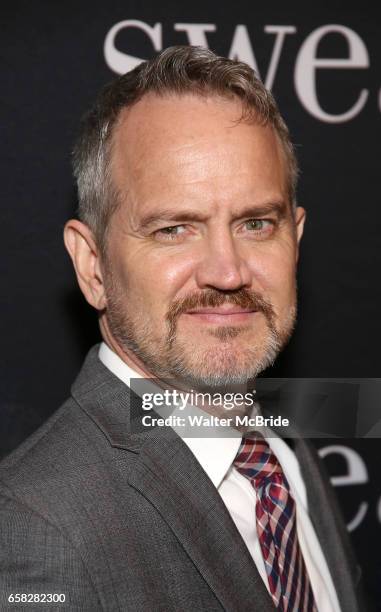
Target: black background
x: 52, y: 67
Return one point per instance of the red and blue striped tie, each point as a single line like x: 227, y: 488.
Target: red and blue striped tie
x: 275, y: 510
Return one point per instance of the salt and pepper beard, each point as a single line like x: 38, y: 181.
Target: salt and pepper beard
x: 170, y: 358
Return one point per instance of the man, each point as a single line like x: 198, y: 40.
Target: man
x: 187, y: 246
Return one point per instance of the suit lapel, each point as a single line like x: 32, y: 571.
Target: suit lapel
x: 171, y: 479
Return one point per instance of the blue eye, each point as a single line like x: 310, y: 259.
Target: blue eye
x: 172, y: 230
x: 256, y: 224
x: 170, y: 233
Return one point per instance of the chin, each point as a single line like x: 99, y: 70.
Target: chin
x: 222, y: 367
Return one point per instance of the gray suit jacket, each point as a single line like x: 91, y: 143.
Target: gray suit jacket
x: 122, y: 521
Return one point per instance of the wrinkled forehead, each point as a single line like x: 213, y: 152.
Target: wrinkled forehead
x: 193, y: 142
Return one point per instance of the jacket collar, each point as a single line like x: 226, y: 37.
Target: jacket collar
x: 109, y: 403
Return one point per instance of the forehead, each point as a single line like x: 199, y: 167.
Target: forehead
x: 191, y: 143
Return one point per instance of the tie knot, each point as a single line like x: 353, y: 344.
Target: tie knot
x: 256, y: 461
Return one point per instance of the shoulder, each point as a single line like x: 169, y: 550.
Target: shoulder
x: 52, y: 465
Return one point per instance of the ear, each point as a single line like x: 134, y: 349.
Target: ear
x: 300, y: 217
x: 81, y: 246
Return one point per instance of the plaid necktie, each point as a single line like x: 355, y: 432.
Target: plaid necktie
x: 286, y: 572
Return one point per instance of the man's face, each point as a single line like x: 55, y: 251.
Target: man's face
x: 201, y: 254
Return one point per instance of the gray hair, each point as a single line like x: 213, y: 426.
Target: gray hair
x: 176, y: 70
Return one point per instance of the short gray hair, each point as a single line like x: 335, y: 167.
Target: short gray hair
x: 176, y: 70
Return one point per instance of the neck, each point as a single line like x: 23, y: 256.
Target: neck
x: 127, y: 356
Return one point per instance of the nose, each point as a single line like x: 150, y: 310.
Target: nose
x: 222, y: 266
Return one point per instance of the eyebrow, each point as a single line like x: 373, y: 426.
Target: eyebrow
x: 280, y: 208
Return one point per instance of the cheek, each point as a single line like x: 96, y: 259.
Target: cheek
x: 273, y: 271
x: 154, y: 281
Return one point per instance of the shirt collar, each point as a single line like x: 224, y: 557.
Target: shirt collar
x: 117, y: 366
x: 215, y: 455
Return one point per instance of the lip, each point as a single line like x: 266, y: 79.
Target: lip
x: 231, y: 315
x: 223, y: 310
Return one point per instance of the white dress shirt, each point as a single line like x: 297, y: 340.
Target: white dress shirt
x: 216, y: 456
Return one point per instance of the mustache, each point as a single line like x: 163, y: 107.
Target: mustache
x: 245, y: 298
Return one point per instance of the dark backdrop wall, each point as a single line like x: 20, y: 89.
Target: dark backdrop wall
x: 322, y: 62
